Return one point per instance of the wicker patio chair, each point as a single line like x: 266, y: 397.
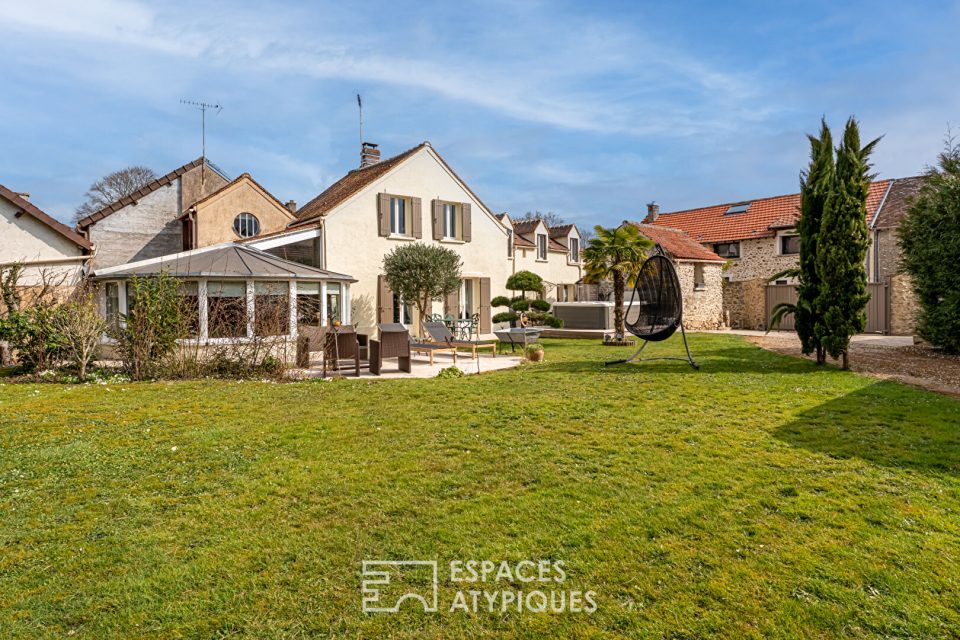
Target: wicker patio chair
x: 394, y: 342
x: 341, y: 346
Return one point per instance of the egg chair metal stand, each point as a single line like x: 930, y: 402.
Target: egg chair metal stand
x: 655, y: 311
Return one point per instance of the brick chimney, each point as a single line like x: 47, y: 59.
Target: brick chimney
x: 369, y: 154
x: 291, y: 206
x: 653, y: 211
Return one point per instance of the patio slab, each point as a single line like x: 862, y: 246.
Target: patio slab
x: 421, y: 367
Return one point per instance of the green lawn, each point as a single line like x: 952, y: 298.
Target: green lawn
x: 757, y: 497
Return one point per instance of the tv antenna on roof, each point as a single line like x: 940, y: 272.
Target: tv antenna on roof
x: 202, y: 107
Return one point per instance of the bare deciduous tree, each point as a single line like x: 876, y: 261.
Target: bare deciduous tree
x: 80, y: 327
x: 549, y: 218
x: 114, y: 186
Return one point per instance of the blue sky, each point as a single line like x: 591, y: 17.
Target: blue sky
x: 589, y: 110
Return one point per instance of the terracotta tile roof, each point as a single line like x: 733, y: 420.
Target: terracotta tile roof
x: 762, y: 218
x: 897, y: 202
x: 26, y: 206
x: 522, y: 241
x: 349, y: 185
x: 525, y: 226
x: 677, y: 243
x: 560, y: 231
x: 140, y: 193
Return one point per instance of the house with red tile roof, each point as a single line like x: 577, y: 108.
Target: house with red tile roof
x: 757, y: 238
x: 700, y: 271
x: 553, y: 253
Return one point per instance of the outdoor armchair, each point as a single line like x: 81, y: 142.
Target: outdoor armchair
x: 441, y: 334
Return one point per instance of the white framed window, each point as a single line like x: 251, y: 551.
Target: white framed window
x: 334, y: 299
x: 450, y: 226
x: 541, y: 246
x: 789, y: 245
x: 574, y: 249
x: 402, y: 312
x: 467, y: 304
x: 398, y: 216
x: 113, y: 303
x: 246, y: 225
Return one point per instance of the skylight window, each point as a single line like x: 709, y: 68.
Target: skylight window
x: 738, y: 208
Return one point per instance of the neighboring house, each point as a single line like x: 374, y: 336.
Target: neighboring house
x: 758, y: 238
x: 49, y: 251
x: 700, y: 271
x: 193, y: 206
x: 553, y: 253
x: 884, y: 255
x: 412, y: 197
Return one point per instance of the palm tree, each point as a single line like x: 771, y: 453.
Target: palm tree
x: 615, y: 254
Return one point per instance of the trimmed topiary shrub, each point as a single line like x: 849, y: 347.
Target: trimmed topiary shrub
x: 500, y: 301
x: 540, y: 305
x: 520, y: 305
x: 506, y: 316
x: 553, y: 322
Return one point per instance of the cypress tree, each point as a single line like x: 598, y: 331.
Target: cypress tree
x: 815, y: 185
x: 842, y: 247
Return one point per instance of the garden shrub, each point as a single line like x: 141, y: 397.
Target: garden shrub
x: 553, y: 321
x: 540, y: 305
x: 520, y: 305
x: 80, y: 328
x: 153, y: 324
x: 506, y: 316
x: 33, y: 335
x: 500, y: 301
x: 450, y: 372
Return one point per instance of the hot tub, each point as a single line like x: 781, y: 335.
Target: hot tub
x: 585, y: 315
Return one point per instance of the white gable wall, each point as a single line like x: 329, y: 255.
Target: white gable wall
x: 353, y: 245
x: 43, y: 250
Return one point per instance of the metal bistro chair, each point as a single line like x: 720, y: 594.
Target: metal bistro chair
x: 656, y: 306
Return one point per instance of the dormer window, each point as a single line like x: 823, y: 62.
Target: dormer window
x: 738, y: 208
x: 541, y: 246
x: 574, y: 249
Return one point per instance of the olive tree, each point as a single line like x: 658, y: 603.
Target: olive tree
x: 421, y: 273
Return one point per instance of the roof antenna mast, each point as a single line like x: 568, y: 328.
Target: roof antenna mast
x: 360, y: 107
x: 202, y: 107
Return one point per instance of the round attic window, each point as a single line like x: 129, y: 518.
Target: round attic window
x: 246, y: 225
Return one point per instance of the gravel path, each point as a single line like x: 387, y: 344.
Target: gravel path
x: 912, y: 364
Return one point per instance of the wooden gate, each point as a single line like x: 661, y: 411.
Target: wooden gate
x: 878, y: 309
x: 878, y: 317
x: 774, y: 295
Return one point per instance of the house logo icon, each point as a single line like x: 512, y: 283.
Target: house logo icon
x: 387, y: 584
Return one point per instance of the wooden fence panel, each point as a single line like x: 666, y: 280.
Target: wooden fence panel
x: 878, y: 309
x: 774, y: 295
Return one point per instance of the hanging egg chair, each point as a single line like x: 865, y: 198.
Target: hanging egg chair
x: 655, y: 306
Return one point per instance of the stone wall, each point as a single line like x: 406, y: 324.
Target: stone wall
x: 904, y: 305
x: 702, y: 308
x: 758, y: 259
x: 744, y: 302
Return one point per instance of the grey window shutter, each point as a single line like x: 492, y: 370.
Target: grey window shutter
x: 384, y: 301
x: 436, y: 208
x: 465, y: 225
x: 451, y: 306
x: 383, y: 211
x: 416, y: 224
x: 485, y: 305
